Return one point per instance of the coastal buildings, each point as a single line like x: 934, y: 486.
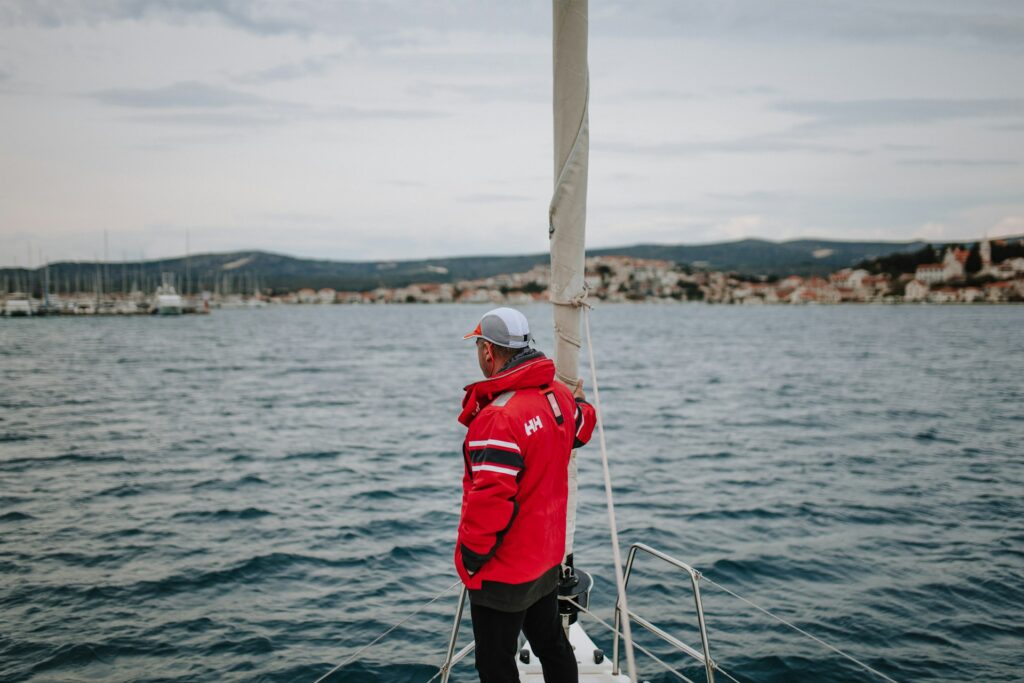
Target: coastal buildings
x: 916, y: 290
x: 623, y: 279
x: 953, y: 280
x: 951, y: 268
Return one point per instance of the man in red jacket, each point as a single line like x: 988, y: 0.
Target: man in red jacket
x: 523, y: 424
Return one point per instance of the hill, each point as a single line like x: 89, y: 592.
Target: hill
x: 245, y: 271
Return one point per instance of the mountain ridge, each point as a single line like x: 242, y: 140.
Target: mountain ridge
x: 246, y: 269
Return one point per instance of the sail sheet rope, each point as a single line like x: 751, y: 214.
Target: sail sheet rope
x: 620, y: 583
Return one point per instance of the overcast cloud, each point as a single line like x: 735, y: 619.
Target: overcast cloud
x: 386, y: 130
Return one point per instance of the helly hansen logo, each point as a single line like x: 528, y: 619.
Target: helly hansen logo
x: 533, y: 425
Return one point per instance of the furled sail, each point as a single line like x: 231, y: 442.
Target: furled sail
x: 567, y: 214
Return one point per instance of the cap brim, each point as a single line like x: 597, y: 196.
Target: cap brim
x: 475, y: 333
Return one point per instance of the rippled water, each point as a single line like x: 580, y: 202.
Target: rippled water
x: 253, y: 495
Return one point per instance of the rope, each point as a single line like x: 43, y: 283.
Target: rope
x: 409, y: 616
x: 668, y: 667
x: 800, y: 630
x: 726, y: 673
x: 617, y: 557
x: 578, y: 301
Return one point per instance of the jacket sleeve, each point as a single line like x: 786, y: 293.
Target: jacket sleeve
x: 496, y: 463
x: 586, y: 418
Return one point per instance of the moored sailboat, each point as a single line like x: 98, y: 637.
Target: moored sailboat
x: 167, y: 300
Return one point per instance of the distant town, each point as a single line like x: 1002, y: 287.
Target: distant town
x: 625, y: 279
x: 983, y: 272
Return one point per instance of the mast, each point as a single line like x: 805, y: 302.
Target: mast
x: 46, y: 286
x: 188, y: 267
x: 105, y: 275
x: 567, y: 214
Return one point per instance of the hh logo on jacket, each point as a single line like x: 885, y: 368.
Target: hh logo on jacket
x: 533, y: 425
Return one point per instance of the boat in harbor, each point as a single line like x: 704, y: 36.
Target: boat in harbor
x: 17, y: 307
x: 167, y: 301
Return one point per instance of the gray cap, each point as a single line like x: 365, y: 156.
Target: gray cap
x: 504, y: 327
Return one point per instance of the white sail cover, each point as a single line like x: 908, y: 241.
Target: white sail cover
x: 567, y: 213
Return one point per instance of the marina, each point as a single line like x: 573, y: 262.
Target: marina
x: 160, y: 304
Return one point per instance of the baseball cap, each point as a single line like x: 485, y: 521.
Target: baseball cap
x: 504, y: 327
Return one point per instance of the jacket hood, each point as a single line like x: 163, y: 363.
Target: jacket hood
x: 527, y: 370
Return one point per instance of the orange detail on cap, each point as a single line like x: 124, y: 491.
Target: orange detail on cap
x: 475, y: 333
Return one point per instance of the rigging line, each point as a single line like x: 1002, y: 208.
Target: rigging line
x: 409, y: 616
x: 611, y: 628
x: 800, y: 630
x: 617, y: 557
x: 726, y: 673
x: 668, y: 667
x: 455, y: 660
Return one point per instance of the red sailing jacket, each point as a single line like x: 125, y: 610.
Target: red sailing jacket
x: 522, y: 427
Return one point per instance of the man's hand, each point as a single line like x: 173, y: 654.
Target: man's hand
x: 579, y: 391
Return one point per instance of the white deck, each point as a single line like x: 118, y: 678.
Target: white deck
x: 589, y: 671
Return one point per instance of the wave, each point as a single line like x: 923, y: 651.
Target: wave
x: 253, y: 570
x: 15, y: 516
x: 780, y: 567
x: 368, y: 671
x: 226, y: 485
x: 79, y: 458
x: 10, y: 437
x: 313, y: 455
x: 224, y: 514
x: 717, y: 455
x: 129, y: 490
x: 746, y: 513
x: 933, y: 435
x: 259, y: 567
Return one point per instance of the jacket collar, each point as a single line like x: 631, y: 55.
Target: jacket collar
x: 530, y: 369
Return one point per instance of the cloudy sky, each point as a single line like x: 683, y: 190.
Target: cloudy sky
x: 377, y: 129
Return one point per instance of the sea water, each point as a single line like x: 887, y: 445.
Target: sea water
x: 253, y: 495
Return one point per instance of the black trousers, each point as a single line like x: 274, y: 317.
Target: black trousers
x: 497, y: 637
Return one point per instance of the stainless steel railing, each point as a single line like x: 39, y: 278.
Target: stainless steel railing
x: 451, y: 657
x: 703, y: 657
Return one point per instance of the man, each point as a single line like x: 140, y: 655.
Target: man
x: 522, y: 427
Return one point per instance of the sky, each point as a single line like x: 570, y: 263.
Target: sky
x: 365, y: 130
